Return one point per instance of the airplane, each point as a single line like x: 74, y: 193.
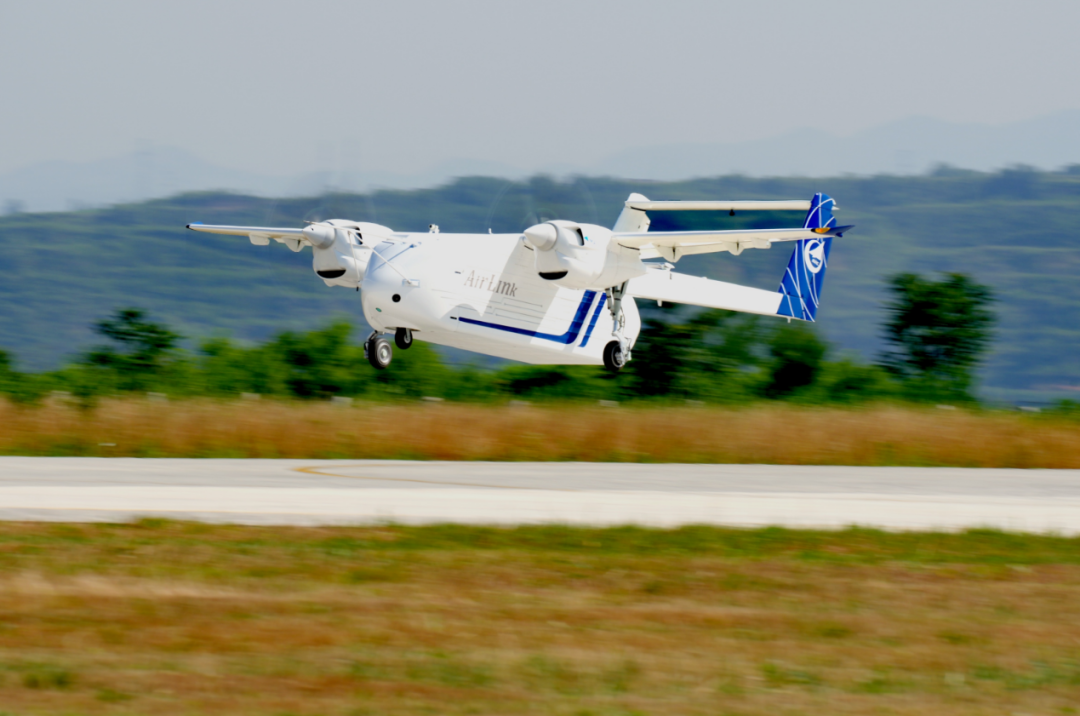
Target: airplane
x: 558, y: 293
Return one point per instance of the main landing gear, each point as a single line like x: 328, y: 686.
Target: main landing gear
x: 378, y: 350
x: 616, y: 352
x: 614, y: 357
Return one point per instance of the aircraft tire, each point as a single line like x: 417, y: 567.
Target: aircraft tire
x: 380, y: 353
x: 403, y: 338
x: 614, y: 359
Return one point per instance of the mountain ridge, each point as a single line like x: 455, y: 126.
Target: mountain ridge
x: 906, y: 147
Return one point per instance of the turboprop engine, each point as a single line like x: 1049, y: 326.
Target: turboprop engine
x: 581, y: 255
x: 341, y: 249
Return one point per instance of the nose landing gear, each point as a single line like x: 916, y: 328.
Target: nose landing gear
x: 378, y: 350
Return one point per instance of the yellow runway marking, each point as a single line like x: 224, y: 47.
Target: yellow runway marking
x: 318, y: 470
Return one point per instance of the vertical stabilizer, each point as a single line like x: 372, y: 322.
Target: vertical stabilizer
x: 800, y: 288
x: 632, y: 221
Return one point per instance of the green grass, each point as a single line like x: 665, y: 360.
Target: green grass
x: 380, y: 546
x: 179, y: 618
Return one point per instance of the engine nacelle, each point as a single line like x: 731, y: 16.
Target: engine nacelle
x: 341, y: 249
x: 581, y: 255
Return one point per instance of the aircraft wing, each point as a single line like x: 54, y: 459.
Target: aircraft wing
x: 662, y: 285
x: 672, y: 245
x: 262, y: 231
x: 259, y: 235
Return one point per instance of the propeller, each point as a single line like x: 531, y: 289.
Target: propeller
x: 310, y: 203
x: 517, y: 205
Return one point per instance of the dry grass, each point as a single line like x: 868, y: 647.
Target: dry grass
x: 169, y: 618
x: 883, y: 435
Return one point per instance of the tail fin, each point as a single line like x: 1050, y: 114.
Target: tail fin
x: 800, y: 289
x: 632, y: 221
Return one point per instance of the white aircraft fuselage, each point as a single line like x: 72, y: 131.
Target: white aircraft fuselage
x: 483, y: 293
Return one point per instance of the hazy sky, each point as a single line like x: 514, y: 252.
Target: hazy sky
x: 285, y: 87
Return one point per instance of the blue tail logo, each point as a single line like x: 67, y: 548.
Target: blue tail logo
x: 814, y: 255
x: 800, y: 288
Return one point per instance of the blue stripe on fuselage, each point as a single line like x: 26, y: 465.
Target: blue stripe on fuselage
x: 592, y: 323
x: 566, y: 338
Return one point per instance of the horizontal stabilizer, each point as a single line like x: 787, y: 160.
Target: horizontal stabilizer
x: 673, y: 245
x: 662, y: 285
x: 645, y: 205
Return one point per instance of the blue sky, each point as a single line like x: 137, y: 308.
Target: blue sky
x: 286, y: 87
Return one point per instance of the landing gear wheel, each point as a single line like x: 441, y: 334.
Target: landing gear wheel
x: 403, y: 338
x: 614, y: 358
x: 379, y: 352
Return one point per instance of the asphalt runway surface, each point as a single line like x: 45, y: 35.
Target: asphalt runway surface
x: 309, y: 492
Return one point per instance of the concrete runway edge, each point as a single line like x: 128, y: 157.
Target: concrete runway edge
x: 309, y: 492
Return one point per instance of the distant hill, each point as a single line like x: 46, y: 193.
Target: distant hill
x: 907, y: 147
x: 1018, y: 231
x: 157, y: 172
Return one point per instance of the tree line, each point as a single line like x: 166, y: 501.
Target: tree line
x: 937, y: 331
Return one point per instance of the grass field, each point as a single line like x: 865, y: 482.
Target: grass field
x: 882, y: 435
x: 174, y: 618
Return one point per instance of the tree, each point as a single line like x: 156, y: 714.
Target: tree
x: 227, y: 369
x: 700, y: 357
x: 661, y: 356
x: 939, y: 330
x: 846, y: 381
x: 7, y: 374
x: 141, y: 350
x: 319, y: 363
x: 20, y: 387
x: 796, y: 355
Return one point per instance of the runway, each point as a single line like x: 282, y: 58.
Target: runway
x: 312, y: 492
